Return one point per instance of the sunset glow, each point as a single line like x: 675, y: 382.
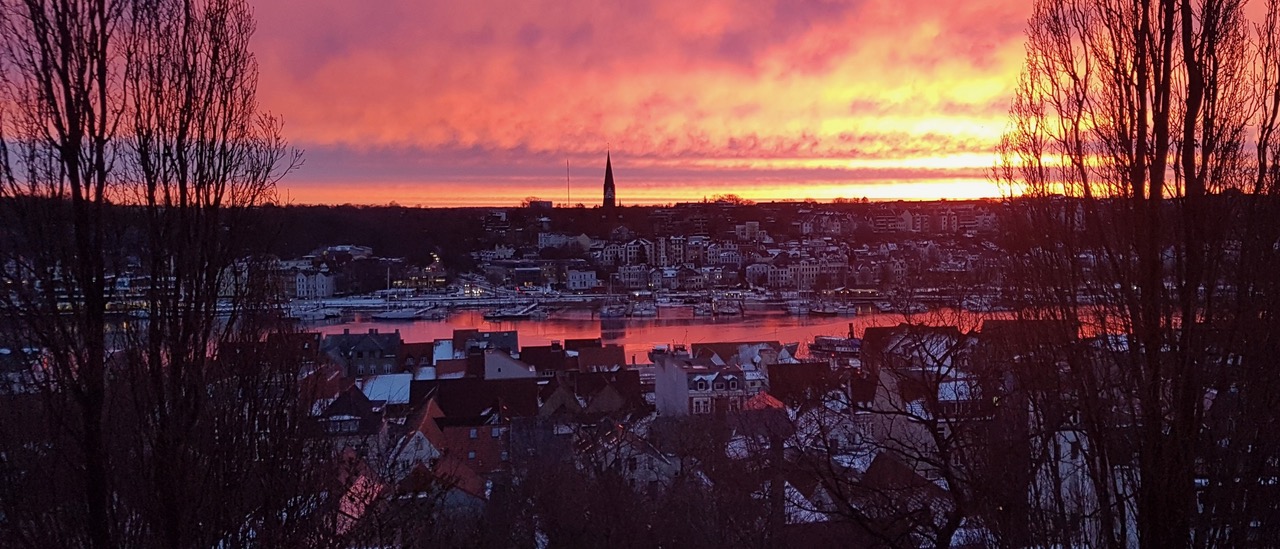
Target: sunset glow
x: 482, y: 103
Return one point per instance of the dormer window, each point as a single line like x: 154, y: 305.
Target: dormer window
x: 733, y: 385
x: 702, y: 385
x: 719, y: 385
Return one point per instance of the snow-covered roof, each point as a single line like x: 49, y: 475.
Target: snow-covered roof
x: 393, y: 388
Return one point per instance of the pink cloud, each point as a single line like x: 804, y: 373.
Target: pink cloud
x: 665, y: 83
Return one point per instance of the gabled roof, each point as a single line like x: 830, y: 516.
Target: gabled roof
x: 341, y: 345
x: 353, y: 404
x: 608, y: 356
x: 544, y: 357
x: 736, y: 352
x: 763, y: 401
x: 390, y: 388
x: 474, y: 396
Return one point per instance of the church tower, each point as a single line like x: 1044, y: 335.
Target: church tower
x: 608, y: 183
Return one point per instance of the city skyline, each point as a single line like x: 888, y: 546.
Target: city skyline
x: 483, y: 105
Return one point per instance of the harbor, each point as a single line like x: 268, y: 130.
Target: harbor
x: 639, y: 335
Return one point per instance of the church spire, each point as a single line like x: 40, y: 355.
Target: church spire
x: 608, y: 182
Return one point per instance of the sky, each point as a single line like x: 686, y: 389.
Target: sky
x: 482, y: 103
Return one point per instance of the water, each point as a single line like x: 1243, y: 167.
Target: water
x: 638, y: 336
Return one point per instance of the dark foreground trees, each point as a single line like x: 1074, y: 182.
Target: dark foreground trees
x: 1142, y: 140
x: 144, y: 403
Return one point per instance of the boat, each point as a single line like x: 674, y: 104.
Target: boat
x: 667, y: 301
x: 835, y: 347
x: 644, y: 309
x: 798, y: 307
x: 884, y: 306
x: 614, y: 310
x: 725, y: 309
x: 823, y: 309
x: 703, y: 309
x: 314, y: 314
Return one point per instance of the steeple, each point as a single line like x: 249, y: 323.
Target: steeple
x: 608, y: 183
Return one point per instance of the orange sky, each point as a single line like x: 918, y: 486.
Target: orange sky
x: 482, y: 102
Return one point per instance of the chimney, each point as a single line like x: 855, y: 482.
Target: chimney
x: 556, y: 346
x: 346, y: 331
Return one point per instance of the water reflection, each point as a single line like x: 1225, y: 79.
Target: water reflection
x: 673, y: 325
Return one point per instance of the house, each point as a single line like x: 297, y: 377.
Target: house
x: 469, y: 397
x: 413, y: 356
x: 609, y: 446
x: 591, y: 393
x: 421, y: 445
x: 580, y: 280
x: 634, y: 277
x: 391, y: 389
x: 313, y: 283
x: 548, y: 359
x: 687, y: 385
x: 363, y: 354
x: 354, y: 421
x: 500, y: 365
x: 480, y: 442
x: 601, y: 359
x: 507, y: 341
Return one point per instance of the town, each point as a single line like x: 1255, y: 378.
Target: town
x: 534, y: 275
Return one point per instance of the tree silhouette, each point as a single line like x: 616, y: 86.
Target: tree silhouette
x: 1141, y: 152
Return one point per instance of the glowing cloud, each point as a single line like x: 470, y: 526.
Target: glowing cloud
x: 483, y: 102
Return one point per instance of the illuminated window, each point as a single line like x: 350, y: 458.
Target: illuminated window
x: 475, y: 433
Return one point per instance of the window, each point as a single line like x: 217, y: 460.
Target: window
x: 733, y: 385
x: 702, y: 385
x: 360, y: 369
x: 386, y: 368
x: 505, y: 456
x: 735, y: 405
x: 719, y: 385
x: 475, y: 433
x: 495, y: 432
x: 701, y: 406
x: 471, y: 454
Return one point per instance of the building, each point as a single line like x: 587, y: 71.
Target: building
x: 609, y: 192
x: 577, y: 281
x: 313, y: 283
x: 363, y: 354
x: 702, y: 385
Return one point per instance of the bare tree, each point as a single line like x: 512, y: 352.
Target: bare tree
x: 1142, y: 150
x: 133, y: 156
